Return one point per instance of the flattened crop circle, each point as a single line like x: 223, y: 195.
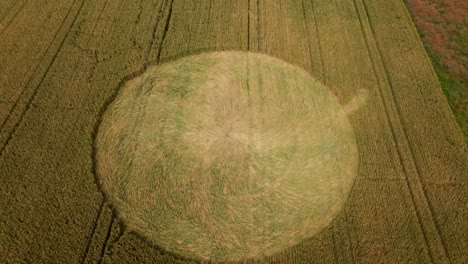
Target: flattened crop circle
x: 226, y: 156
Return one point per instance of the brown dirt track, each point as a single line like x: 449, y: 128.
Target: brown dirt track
x: 61, y: 63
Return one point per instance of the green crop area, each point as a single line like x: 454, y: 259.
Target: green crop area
x: 123, y: 141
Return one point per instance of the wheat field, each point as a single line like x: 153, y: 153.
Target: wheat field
x: 63, y: 63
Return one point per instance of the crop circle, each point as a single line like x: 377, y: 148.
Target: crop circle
x: 226, y: 156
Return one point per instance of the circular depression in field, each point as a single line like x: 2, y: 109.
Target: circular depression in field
x: 226, y: 155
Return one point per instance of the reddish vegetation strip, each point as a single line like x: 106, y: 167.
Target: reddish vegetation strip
x: 443, y: 24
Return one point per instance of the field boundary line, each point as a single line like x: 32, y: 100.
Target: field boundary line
x: 406, y: 144
x: 35, y: 90
x: 14, y: 16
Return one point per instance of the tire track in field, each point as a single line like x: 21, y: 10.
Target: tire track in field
x: 253, y: 25
x: 166, y: 28
x: 324, y: 80
x: 93, y: 230
x: 335, y: 255
x: 319, y: 46
x: 306, y: 26
x: 108, y: 234
x: 392, y: 128
x: 103, y: 202
x: 258, y: 25
x: 348, y: 235
x: 99, y: 214
x: 322, y: 73
x: 249, y: 17
x: 162, y: 7
x: 13, y: 17
x: 6, y: 10
x: 209, y: 10
x: 95, y: 24
x: 412, y: 161
x: 36, y: 88
x: 153, y: 37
